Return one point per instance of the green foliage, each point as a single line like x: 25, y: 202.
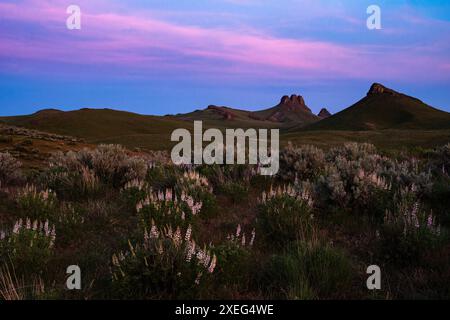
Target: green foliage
x: 236, y: 191
x: 307, y: 271
x: 163, y: 177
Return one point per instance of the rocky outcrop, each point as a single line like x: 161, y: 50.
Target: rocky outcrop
x: 226, y: 114
x: 293, y: 102
x: 324, y: 113
x: 377, y: 89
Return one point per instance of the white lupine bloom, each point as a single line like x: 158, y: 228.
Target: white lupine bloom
x: 190, y: 251
x: 17, y: 226
x: 238, y: 231
x: 212, y: 266
x: 177, y: 240
x: 187, y: 237
x: 154, y: 233
x: 252, y: 240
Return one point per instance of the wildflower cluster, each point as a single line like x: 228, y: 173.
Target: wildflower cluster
x: 192, y: 178
x: 240, y: 239
x: 37, y: 204
x: 196, y: 191
x: 29, y: 244
x: 167, y: 260
x: 413, y: 220
x: 302, y: 195
x: 409, y: 232
x: 166, y: 207
x: 285, y: 214
x: 135, y: 191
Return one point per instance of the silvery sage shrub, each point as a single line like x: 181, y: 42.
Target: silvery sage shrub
x: 9, y: 169
x: 111, y: 164
x: 351, y: 151
x: 408, y: 172
x: 355, y: 184
x: 304, y: 162
x: 72, y: 184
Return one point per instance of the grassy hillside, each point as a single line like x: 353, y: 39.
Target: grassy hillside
x: 103, y: 126
x: 389, y: 139
x: 34, y: 148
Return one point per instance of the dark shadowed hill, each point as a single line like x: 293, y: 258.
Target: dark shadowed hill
x: 384, y: 108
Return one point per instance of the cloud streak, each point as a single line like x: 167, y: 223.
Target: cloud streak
x: 139, y: 42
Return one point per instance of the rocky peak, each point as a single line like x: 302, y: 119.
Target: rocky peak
x: 324, y: 113
x: 377, y: 89
x: 293, y: 102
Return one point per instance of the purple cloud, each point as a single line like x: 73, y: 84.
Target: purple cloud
x: 140, y: 42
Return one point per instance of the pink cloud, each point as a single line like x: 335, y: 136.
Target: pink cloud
x: 141, y: 43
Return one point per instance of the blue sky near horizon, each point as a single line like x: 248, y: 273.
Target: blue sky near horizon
x: 165, y: 56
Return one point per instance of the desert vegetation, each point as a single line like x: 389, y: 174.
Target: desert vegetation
x: 142, y: 228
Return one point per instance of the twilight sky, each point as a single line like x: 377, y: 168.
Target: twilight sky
x: 169, y: 56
